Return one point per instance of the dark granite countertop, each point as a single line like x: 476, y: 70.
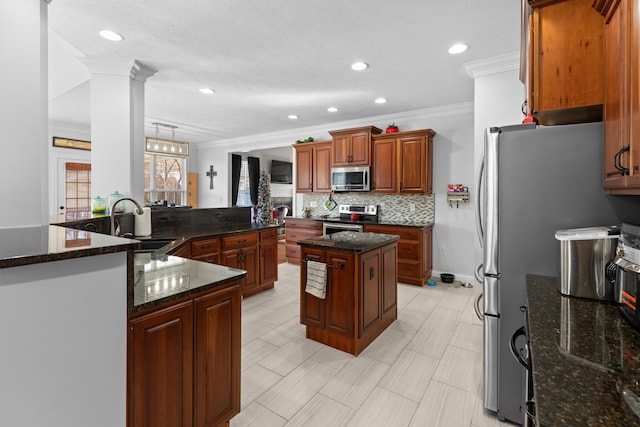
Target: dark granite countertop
x: 159, y: 281
x: 335, y: 218
x: 34, y: 245
x: 585, y: 358
x: 350, y: 241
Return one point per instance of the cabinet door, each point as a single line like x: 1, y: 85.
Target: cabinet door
x: 304, y: 169
x: 341, y: 150
x: 413, y: 167
x: 384, y: 169
x: 268, y: 256
x: 389, y: 279
x: 251, y: 263
x: 161, y: 368
x: 312, y: 309
x: 322, y: 168
x: 340, y: 293
x: 369, y: 291
x: 615, y: 126
x: 427, y: 252
x: 360, y: 148
x: 217, y: 357
x: 634, y: 92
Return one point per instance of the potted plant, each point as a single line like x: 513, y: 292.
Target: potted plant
x: 392, y: 128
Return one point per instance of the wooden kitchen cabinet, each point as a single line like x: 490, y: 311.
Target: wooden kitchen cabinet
x: 565, y: 62
x: 206, y: 250
x: 402, y: 162
x: 415, y: 252
x: 241, y: 251
x: 352, y: 147
x: 313, y: 167
x: 268, y: 257
x: 361, y: 297
x: 622, y: 95
x: 217, y: 358
x: 184, y: 361
x: 299, y: 229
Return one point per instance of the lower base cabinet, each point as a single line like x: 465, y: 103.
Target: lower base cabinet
x: 184, y: 361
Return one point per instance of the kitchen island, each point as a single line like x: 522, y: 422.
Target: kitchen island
x: 585, y: 358
x: 361, y: 289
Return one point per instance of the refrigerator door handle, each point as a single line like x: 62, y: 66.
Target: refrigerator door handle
x: 491, y: 296
x: 491, y: 218
x: 479, y: 203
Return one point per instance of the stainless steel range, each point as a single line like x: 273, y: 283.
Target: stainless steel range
x: 351, y: 218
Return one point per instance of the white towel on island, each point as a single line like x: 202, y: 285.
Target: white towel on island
x: 316, y: 279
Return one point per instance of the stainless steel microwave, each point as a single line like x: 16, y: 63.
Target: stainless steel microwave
x: 356, y: 178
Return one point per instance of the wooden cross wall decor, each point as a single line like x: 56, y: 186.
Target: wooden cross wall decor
x: 211, y: 174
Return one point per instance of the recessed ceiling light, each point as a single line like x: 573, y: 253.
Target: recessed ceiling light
x: 458, y: 48
x: 111, y: 35
x: 207, y: 91
x: 292, y: 116
x: 332, y: 109
x: 380, y: 100
x: 359, y: 66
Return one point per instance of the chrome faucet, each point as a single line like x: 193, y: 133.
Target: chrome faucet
x: 139, y: 211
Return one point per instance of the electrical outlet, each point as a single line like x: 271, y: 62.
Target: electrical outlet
x: 412, y: 207
x: 313, y: 204
x: 441, y: 251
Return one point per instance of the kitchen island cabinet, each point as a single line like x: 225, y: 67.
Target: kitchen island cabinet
x: 361, y: 289
x: 241, y: 251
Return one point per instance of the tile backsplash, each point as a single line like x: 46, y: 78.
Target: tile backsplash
x: 392, y: 207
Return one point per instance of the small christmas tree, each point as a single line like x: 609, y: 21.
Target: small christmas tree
x: 264, y: 208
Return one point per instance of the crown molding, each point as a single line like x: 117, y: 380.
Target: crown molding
x: 134, y: 69
x: 274, y: 139
x: 493, y: 65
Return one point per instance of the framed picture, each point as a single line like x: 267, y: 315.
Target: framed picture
x: 71, y: 143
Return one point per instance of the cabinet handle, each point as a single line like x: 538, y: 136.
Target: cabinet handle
x: 617, y: 160
x: 371, y: 273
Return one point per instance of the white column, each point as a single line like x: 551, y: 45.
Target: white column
x: 24, y: 106
x: 117, y: 127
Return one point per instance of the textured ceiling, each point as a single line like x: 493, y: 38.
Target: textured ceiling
x: 267, y: 59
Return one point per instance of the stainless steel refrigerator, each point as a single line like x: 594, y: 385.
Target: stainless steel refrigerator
x: 532, y: 182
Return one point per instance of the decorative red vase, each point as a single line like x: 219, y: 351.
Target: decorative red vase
x: 392, y: 130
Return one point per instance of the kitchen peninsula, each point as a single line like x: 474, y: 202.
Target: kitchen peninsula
x: 361, y: 288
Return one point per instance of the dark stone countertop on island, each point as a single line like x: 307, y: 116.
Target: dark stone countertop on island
x: 34, y: 245
x: 585, y: 358
x: 350, y: 241
x: 158, y: 281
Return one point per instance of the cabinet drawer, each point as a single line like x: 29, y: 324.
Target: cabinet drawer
x: 270, y: 235
x: 310, y: 224
x: 239, y: 241
x: 409, y: 250
x: 405, y: 233
x: 408, y: 269
x: 292, y: 251
x: 204, y: 247
x: 210, y: 258
x: 296, y: 234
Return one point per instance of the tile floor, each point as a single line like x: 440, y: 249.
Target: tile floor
x: 424, y: 370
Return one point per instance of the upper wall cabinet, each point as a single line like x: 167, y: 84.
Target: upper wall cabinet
x: 402, y: 162
x: 352, y: 147
x: 565, y: 62
x: 622, y: 95
x: 313, y: 167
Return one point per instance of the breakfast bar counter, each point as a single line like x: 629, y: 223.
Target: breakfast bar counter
x: 585, y: 358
